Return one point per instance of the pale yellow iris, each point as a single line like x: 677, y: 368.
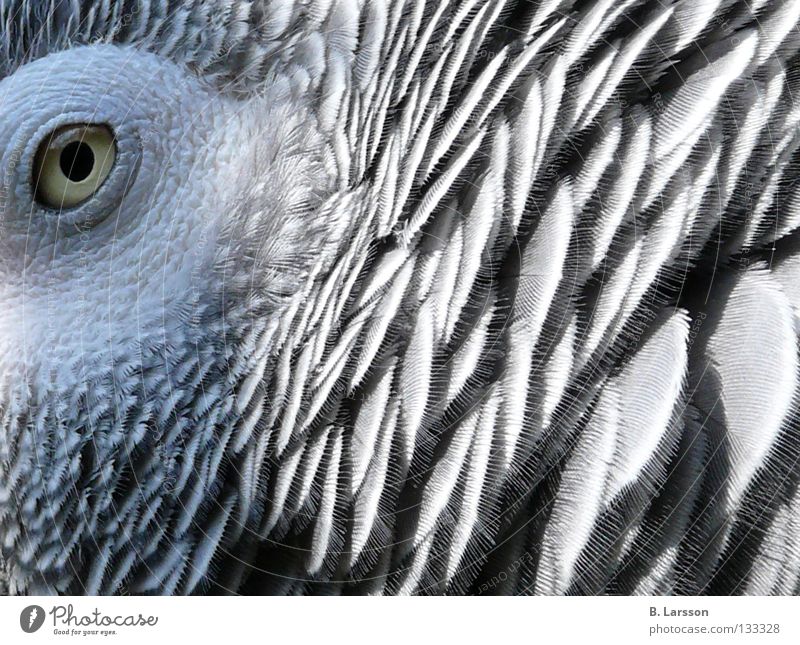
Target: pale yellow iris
x: 72, y: 164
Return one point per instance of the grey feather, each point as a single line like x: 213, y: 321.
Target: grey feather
x: 513, y: 292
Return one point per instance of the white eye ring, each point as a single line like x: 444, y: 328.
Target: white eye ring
x: 72, y: 163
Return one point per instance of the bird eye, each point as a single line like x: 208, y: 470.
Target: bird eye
x: 72, y: 163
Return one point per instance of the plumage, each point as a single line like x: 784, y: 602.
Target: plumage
x: 403, y: 296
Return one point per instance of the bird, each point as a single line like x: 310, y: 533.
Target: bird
x: 486, y: 297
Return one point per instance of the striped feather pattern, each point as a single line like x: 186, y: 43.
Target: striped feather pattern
x: 556, y: 351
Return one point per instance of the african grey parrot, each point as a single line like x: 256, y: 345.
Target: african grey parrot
x: 399, y: 296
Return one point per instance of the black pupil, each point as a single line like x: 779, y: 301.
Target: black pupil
x: 77, y: 161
